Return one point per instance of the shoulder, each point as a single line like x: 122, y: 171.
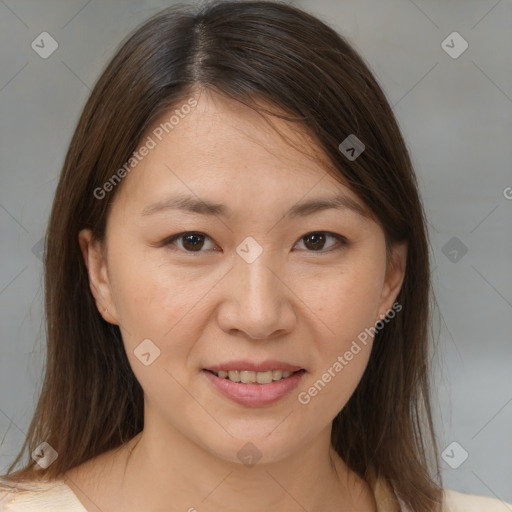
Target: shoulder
x: 459, y: 502
x: 38, y: 496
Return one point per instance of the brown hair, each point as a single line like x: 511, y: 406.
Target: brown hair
x: 255, y: 52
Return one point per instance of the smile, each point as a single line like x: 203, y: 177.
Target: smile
x: 254, y: 392
x: 252, y: 377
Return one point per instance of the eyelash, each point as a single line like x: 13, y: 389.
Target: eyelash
x: 343, y: 242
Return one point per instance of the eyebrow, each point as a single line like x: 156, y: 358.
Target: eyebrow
x: 301, y: 209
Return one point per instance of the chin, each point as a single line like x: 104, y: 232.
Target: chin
x: 247, y: 450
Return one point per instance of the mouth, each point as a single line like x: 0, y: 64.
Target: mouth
x: 254, y: 377
x: 252, y: 388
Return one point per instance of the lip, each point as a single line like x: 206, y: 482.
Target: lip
x: 262, y: 366
x: 255, y: 395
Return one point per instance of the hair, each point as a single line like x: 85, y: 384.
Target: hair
x: 259, y: 53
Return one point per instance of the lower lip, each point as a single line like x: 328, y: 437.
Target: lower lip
x: 255, y: 395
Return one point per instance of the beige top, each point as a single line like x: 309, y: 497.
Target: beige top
x: 56, y: 496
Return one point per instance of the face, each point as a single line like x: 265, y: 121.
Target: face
x: 258, y: 282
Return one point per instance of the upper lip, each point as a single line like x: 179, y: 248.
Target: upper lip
x: 262, y: 366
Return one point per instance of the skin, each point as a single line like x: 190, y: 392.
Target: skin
x: 203, y: 307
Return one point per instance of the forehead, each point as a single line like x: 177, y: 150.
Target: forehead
x: 221, y: 148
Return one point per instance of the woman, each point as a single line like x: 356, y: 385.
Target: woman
x: 237, y: 284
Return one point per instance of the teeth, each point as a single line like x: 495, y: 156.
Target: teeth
x: 234, y: 375
x: 277, y: 374
x: 250, y: 377
x: 264, y: 377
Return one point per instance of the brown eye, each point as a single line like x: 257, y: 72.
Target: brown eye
x: 316, y: 241
x: 191, y: 242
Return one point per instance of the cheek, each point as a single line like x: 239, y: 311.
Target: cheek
x: 346, y: 307
x: 163, y: 303
x: 345, y: 300
x: 344, y: 339
x: 150, y: 295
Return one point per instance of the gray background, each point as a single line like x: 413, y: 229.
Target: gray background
x: 455, y: 114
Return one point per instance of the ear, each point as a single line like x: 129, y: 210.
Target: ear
x: 95, y: 260
x: 395, y: 274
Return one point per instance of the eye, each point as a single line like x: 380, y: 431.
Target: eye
x: 192, y: 241
x: 315, y: 241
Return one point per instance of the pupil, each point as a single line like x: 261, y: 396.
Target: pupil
x: 192, y: 244
x: 316, y: 237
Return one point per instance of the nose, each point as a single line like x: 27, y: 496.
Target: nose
x: 257, y: 300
